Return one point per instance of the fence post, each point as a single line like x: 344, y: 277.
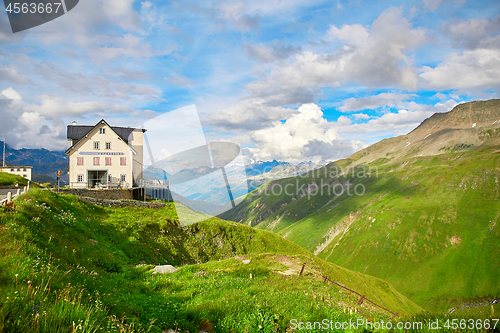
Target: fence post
x: 325, y: 278
x: 361, y: 300
x: 302, y: 270
x: 9, y: 197
x: 394, y: 315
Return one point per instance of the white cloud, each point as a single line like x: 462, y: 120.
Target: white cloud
x: 39, y: 125
x: 373, y: 102
x: 474, y: 33
x: 361, y: 116
x: 409, y: 116
x: 250, y: 114
x: 478, y: 68
x: 374, y: 57
x: 303, y: 136
x: 10, y: 74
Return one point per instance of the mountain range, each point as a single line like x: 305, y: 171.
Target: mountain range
x: 419, y: 210
x: 45, y: 163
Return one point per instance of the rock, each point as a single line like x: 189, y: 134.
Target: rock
x: 246, y: 261
x: 162, y: 269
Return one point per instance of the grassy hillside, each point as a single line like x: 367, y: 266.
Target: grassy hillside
x: 10, y: 179
x: 429, y: 225
x: 66, y: 265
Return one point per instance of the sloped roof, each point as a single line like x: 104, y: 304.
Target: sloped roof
x: 77, y: 132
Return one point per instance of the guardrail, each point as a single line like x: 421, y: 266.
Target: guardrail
x: 11, y: 196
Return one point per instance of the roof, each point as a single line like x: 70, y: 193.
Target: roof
x: 77, y: 132
x: 16, y: 166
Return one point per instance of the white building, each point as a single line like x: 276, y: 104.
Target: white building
x: 23, y: 171
x: 102, y: 156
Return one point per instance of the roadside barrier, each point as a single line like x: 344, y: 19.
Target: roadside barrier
x: 363, y: 297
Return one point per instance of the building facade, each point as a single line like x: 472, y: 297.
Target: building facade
x: 103, y: 156
x: 23, y: 171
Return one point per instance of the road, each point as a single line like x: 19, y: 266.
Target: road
x: 4, y: 191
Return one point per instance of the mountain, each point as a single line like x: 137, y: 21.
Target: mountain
x: 261, y: 167
x: 419, y: 210
x: 44, y: 162
x: 210, y: 188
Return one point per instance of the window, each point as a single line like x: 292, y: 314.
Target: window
x: 19, y: 170
x: 110, y: 179
x: 96, y: 144
x: 102, y: 130
x: 80, y: 178
x: 24, y: 169
x: 108, y: 145
x: 123, y: 161
x: 11, y: 169
x: 122, y: 178
x: 25, y: 176
x: 108, y: 160
x: 96, y: 160
x: 79, y: 161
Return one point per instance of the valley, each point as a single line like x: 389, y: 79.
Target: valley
x: 425, y: 216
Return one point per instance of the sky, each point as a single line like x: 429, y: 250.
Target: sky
x: 288, y: 80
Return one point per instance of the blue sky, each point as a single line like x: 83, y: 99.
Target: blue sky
x: 288, y: 80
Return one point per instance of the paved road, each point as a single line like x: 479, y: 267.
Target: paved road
x: 4, y: 191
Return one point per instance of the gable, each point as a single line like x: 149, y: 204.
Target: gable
x: 94, y: 135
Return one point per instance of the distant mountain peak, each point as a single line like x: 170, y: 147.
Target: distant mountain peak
x: 466, y: 126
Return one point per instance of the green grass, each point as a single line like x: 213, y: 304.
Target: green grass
x: 68, y: 266
x: 10, y: 179
x: 428, y: 225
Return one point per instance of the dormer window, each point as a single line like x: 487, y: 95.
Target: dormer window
x: 102, y: 130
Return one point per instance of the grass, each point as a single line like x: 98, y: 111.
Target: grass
x: 428, y: 225
x: 68, y: 266
x: 10, y: 179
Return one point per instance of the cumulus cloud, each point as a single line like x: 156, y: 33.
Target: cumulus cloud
x: 271, y: 52
x: 251, y: 114
x: 478, y: 68
x: 36, y: 125
x: 24, y: 127
x: 473, y: 33
x: 306, y: 135
x: 361, y: 116
x: 409, y: 116
x: 374, y: 57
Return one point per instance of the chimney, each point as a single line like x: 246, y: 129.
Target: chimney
x: 74, y: 123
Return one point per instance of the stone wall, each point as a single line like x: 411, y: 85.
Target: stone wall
x: 113, y: 194
x: 121, y: 203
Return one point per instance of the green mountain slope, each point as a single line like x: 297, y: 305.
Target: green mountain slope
x: 427, y: 224
x: 66, y: 264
